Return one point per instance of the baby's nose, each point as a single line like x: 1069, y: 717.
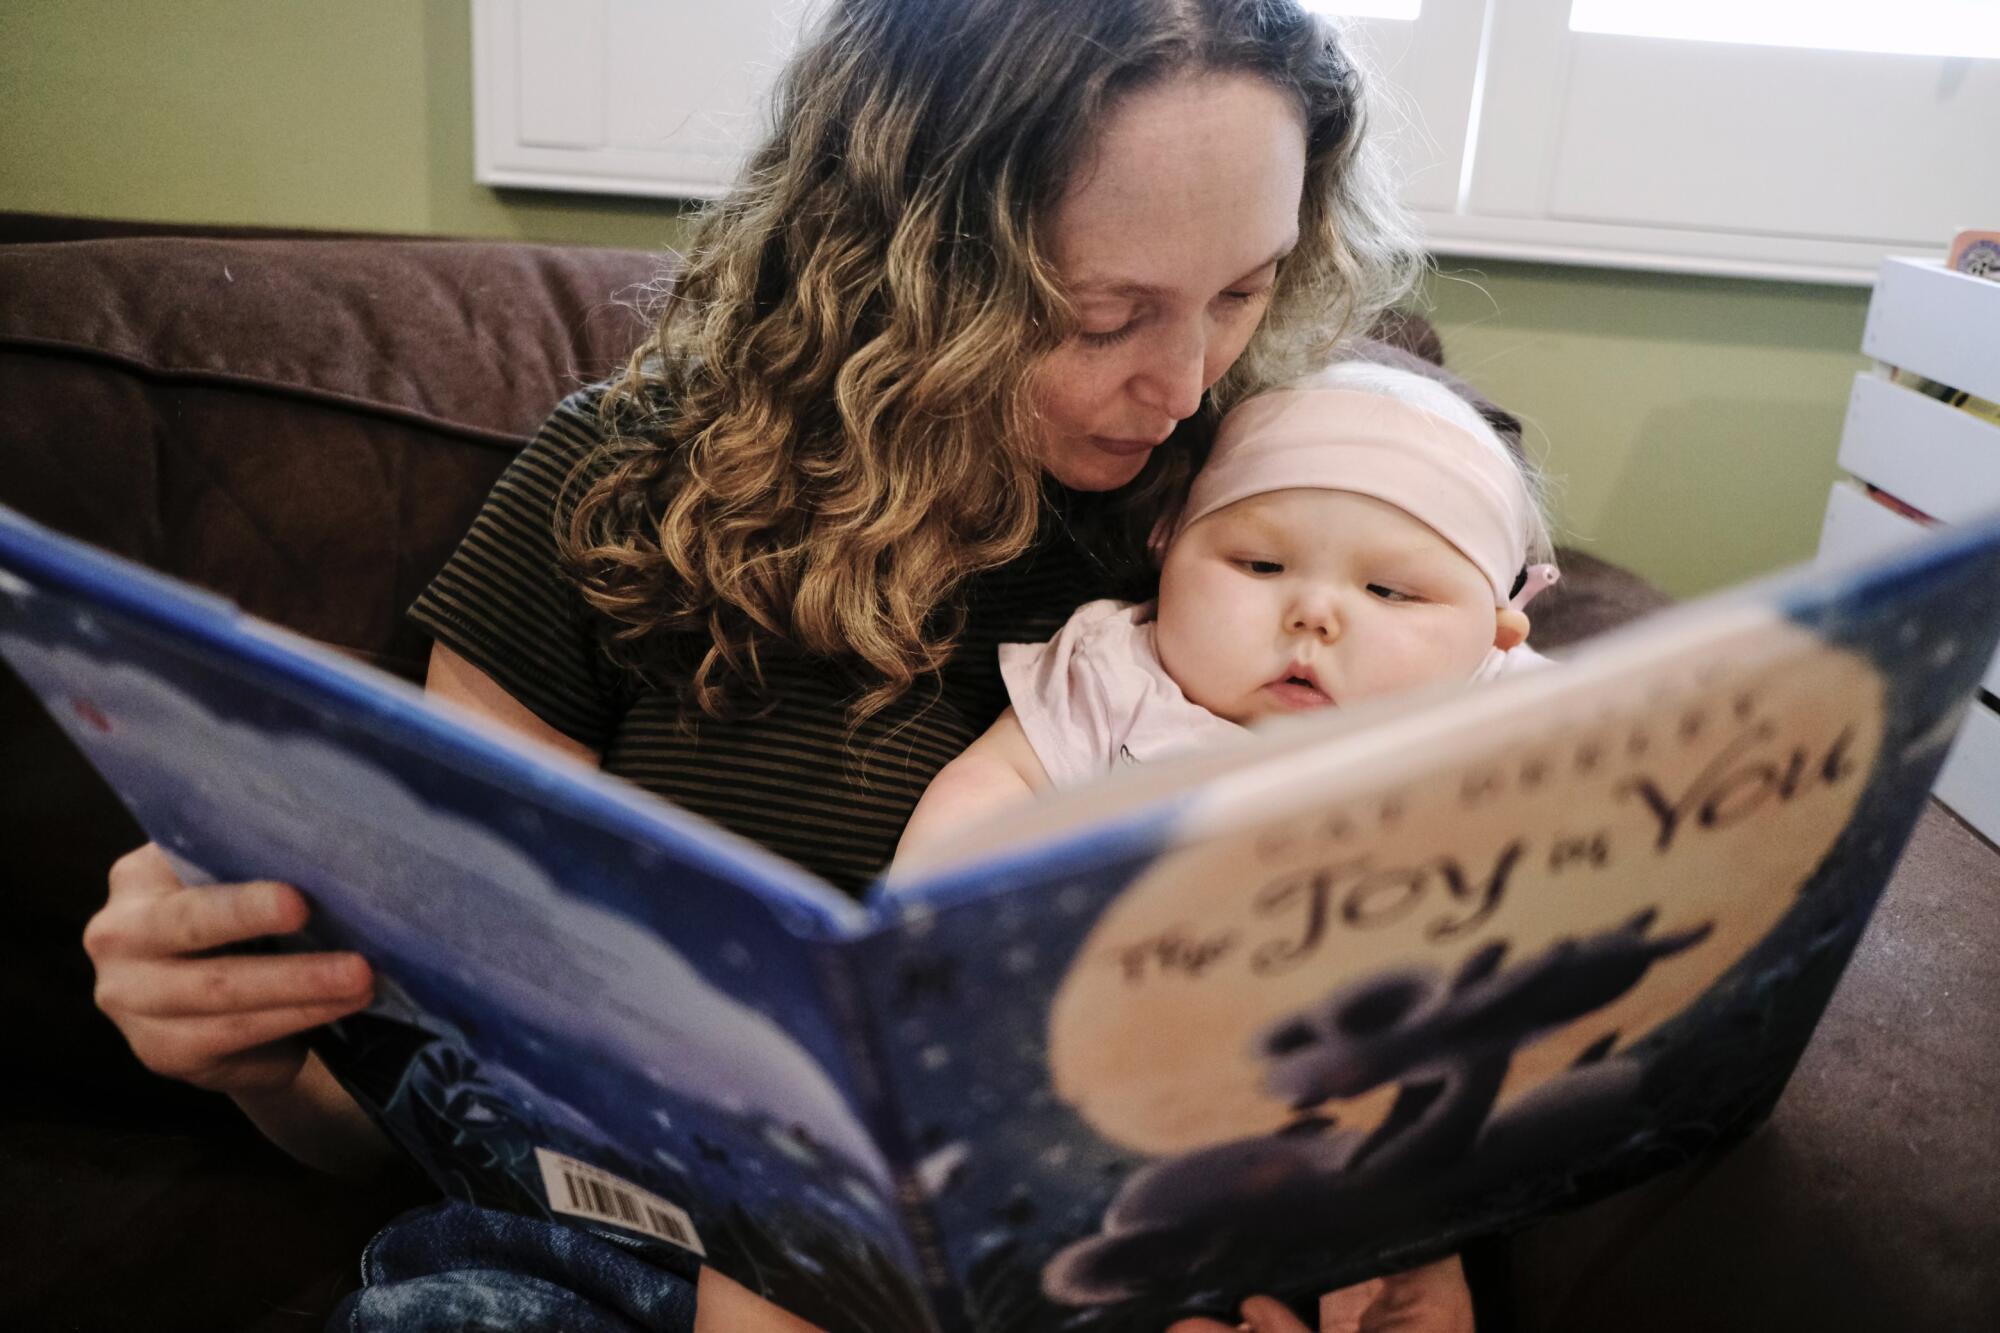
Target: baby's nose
x: 1315, y: 615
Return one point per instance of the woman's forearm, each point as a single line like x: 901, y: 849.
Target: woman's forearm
x: 317, y: 1122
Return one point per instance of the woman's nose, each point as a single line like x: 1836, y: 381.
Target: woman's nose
x: 1178, y: 374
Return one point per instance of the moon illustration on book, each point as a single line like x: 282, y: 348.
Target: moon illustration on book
x: 1327, y: 1027
x: 1551, y: 833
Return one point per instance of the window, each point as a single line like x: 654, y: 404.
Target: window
x: 1630, y: 133
x: 1909, y: 27
x: 1366, y: 9
x: 1772, y: 138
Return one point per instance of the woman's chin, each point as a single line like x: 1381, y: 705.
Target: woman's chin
x: 1083, y: 468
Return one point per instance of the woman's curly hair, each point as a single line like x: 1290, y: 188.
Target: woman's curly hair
x: 831, y: 425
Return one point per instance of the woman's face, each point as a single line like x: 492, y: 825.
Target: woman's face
x: 1169, y: 244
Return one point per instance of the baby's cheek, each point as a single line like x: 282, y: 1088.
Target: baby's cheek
x: 1416, y: 654
x: 1466, y: 646
x: 1197, y: 643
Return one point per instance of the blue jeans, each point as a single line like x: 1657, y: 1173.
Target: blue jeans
x: 453, y: 1267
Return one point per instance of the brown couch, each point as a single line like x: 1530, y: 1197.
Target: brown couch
x: 306, y: 424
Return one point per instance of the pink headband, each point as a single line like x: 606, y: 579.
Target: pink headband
x: 1344, y: 440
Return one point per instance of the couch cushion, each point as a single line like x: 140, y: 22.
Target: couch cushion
x: 305, y: 426
x: 381, y: 327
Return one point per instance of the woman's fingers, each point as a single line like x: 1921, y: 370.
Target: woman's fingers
x: 197, y: 920
x: 1431, y: 1299
x: 1265, y: 1315
x: 141, y: 871
x: 1261, y: 1314
x: 1342, y: 1311
x: 176, y: 987
x: 150, y: 913
x: 219, y: 1051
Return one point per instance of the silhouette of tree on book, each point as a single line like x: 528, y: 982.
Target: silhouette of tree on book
x: 1446, y: 1044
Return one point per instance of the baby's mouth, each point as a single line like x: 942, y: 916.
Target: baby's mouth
x: 1299, y: 688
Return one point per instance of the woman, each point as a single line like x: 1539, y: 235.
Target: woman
x: 926, y: 380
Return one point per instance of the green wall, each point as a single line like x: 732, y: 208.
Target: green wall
x: 1691, y: 423
x: 355, y: 114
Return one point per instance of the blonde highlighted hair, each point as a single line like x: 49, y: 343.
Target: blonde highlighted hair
x: 830, y: 427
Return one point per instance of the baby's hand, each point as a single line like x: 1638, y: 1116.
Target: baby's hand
x: 1431, y: 1299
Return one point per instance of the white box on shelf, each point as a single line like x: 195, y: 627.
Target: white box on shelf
x: 1926, y: 319
x: 1929, y: 454
x: 1942, y: 324
x: 1858, y: 526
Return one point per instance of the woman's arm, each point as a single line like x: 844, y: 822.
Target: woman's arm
x: 721, y: 1305
x: 452, y: 677
x: 997, y: 770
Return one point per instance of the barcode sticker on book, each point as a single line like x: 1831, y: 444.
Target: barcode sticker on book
x: 582, y: 1190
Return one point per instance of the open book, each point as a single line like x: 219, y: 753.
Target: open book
x: 1269, y: 1018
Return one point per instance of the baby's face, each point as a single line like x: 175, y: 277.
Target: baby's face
x: 1307, y: 598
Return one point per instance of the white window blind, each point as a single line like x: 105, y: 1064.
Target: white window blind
x: 1909, y: 27
x: 1800, y: 139
x: 1366, y: 9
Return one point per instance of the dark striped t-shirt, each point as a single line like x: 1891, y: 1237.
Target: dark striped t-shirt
x: 791, y: 779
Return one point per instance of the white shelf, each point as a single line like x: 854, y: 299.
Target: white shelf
x: 1924, y: 452
x: 1941, y: 324
x: 1936, y: 458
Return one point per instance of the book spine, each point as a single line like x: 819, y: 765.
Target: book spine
x: 835, y: 963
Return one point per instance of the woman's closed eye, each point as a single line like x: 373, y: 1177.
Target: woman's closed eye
x: 1109, y: 337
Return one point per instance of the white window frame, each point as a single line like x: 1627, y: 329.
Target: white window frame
x: 1511, y: 130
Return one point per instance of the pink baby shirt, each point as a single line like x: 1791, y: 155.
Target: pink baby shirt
x: 1096, y: 696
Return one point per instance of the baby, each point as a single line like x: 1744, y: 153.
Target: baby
x: 1356, y: 534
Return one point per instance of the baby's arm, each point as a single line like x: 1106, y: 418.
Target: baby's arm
x: 997, y: 770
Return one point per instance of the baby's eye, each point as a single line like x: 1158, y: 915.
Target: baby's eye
x: 1388, y: 594
x: 1263, y: 568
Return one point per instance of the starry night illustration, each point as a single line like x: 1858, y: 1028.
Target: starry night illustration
x: 1275, y: 1032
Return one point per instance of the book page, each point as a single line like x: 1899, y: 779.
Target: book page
x: 589, y: 1007
x: 1341, y: 1008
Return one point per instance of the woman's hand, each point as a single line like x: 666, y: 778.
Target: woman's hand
x: 1431, y: 1299
x: 231, y: 1023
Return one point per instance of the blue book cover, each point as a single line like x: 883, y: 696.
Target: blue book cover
x: 1273, y: 1018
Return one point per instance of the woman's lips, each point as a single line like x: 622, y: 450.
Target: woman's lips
x: 1125, y: 448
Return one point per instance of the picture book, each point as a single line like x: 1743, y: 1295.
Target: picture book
x: 1273, y: 1017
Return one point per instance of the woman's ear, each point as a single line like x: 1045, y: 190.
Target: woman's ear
x: 1510, y: 628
